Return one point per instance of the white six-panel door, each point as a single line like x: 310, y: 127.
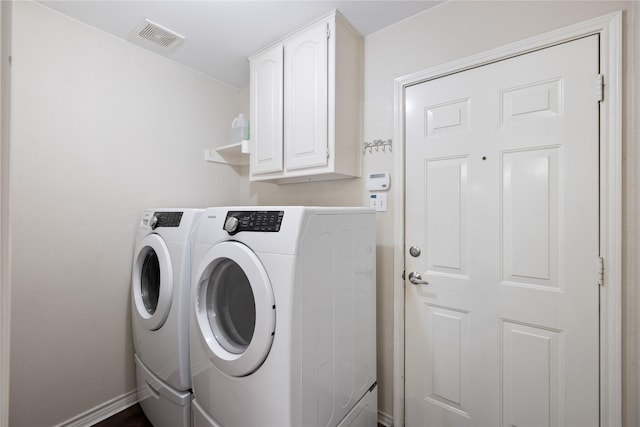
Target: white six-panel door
x: 502, y: 205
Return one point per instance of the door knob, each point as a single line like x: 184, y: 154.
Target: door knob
x: 416, y: 279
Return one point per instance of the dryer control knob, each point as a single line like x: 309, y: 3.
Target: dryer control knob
x: 231, y: 224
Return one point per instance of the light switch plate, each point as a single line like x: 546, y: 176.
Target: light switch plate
x: 378, y: 201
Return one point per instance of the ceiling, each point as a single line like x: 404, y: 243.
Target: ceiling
x: 220, y: 35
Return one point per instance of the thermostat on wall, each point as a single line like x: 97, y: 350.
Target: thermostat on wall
x: 378, y: 181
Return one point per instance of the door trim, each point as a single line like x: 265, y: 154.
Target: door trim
x: 609, y: 28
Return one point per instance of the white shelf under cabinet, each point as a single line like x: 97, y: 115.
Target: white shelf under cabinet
x: 233, y: 154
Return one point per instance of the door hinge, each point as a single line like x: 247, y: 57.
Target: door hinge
x: 328, y: 153
x: 328, y: 31
x: 600, y: 88
x: 600, y: 271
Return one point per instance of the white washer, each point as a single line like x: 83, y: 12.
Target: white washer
x: 160, y: 294
x: 283, y: 317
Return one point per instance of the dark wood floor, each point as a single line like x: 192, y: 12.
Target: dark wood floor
x: 132, y: 417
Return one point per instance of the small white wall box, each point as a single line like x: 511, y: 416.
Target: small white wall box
x: 378, y: 181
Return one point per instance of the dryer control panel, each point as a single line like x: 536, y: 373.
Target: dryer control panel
x: 265, y: 221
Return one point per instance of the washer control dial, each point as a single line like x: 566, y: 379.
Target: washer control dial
x: 231, y: 224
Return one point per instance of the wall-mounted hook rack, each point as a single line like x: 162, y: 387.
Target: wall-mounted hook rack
x: 377, y: 145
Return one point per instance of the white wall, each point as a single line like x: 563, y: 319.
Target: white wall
x: 457, y: 29
x: 101, y: 129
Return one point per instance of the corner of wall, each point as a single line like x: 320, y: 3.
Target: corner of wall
x: 5, y: 284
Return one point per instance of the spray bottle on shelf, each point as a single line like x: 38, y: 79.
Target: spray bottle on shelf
x: 239, y: 129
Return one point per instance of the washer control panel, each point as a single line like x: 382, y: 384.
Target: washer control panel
x: 162, y: 219
x: 265, y: 221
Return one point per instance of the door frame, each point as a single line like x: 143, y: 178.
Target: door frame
x: 609, y: 28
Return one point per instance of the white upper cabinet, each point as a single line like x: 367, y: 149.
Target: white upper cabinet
x: 305, y: 94
x: 266, y: 112
x: 306, y: 88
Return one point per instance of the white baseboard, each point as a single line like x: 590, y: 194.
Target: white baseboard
x: 385, y: 419
x: 102, y: 411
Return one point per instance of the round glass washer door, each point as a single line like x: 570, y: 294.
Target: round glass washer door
x: 152, y: 282
x: 234, y: 308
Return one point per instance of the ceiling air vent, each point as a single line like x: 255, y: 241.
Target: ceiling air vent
x: 158, y: 34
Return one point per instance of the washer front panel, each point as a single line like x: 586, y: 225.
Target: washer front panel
x: 231, y: 307
x: 152, y: 282
x: 235, y: 308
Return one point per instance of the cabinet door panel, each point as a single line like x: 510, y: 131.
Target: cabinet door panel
x: 266, y: 112
x: 305, y: 101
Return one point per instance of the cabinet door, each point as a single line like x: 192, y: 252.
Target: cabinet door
x: 266, y: 111
x: 305, y: 99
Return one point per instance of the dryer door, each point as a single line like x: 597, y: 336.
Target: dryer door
x: 152, y: 282
x: 234, y: 308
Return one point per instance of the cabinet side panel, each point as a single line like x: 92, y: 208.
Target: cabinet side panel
x: 346, y: 80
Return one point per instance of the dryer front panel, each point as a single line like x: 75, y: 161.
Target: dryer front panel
x: 152, y: 282
x: 235, y: 308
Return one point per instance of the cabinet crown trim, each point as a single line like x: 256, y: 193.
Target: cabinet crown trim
x: 334, y: 13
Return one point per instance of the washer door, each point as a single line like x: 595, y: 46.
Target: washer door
x: 235, y: 308
x: 152, y: 282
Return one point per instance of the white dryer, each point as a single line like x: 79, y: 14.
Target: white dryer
x: 160, y: 293
x: 283, y: 317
